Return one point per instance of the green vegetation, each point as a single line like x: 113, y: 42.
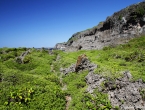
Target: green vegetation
x: 120, y: 17
x: 142, y: 92
x: 72, y: 39
x: 112, y: 61
x: 36, y: 84
x: 31, y: 85
x: 140, y: 10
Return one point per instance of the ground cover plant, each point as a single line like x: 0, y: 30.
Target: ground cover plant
x: 37, y: 84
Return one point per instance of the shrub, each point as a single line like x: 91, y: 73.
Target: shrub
x: 27, y: 59
x: 120, y: 17
x: 21, y: 96
x: 140, y: 11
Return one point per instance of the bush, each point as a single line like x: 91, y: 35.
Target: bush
x: 21, y: 96
x: 140, y: 11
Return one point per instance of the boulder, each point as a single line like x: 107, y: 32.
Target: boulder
x: 82, y: 63
x: 20, y: 59
x: 70, y: 69
x: 127, y: 93
x: 121, y: 92
x: 93, y: 81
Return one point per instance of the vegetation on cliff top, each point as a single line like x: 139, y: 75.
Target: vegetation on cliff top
x: 37, y: 83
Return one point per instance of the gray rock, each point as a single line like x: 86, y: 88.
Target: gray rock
x: 93, y: 81
x: 128, y: 95
x: 128, y: 74
x: 20, y: 58
x: 116, y: 29
x: 85, y: 64
x: 70, y: 69
x: 121, y: 92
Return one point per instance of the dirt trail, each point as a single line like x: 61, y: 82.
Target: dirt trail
x: 68, y: 100
x: 64, y: 86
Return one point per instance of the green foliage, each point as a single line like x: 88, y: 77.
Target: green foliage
x: 7, y: 50
x: 40, y: 74
x: 81, y: 100
x: 120, y: 17
x: 30, y: 85
x: 22, y: 96
x: 101, y: 22
x: 142, y: 92
x: 116, y: 108
x: 140, y: 11
x: 98, y: 102
x: 27, y: 59
x: 72, y: 39
x: 136, y: 55
x: 106, y: 48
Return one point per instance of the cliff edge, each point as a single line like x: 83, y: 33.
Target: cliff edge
x: 116, y: 29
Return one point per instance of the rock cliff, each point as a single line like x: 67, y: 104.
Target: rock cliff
x: 116, y: 29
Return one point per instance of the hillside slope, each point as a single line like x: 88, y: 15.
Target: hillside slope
x: 40, y: 82
x: 98, y: 74
x: 116, y: 29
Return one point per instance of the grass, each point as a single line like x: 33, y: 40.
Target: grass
x: 113, y: 61
x: 36, y: 76
x: 34, y: 85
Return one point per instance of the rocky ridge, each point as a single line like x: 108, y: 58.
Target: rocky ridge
x: 122, y: 92
x: 117, y: 29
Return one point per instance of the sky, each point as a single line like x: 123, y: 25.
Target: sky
x: 43, y: 23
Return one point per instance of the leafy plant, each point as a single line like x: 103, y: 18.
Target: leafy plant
x: 47, y: 86
x: 21, y: 96
x: 140, y: 11
x: 120, y: 17
x: 142, y: 92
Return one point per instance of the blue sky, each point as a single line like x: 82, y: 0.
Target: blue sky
x: 43, y: 23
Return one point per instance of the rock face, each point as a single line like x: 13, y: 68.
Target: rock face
x: 122, y: 92
x: 82, y: 64
x: 128, y: 95
x: 93, y: 81
x: 117, y: 29
x: 60, y: 46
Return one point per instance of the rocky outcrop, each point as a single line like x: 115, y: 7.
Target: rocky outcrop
x: 127, y: 94
x: 116, y: 29
x: 20, y: 59
x: 82, y: 63
x: 60, y: 46
x: 122, y: 92
x: 94, y: 81
x: 70, y: 69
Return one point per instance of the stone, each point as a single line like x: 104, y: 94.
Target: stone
x: 116, y: 29
x: 128, y: 94
x: 82, y: 64
x: 128, y: 74
x: 20, y: 59
x: 70, y: 69
x: 93, y: 81
x: 121, y: 92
